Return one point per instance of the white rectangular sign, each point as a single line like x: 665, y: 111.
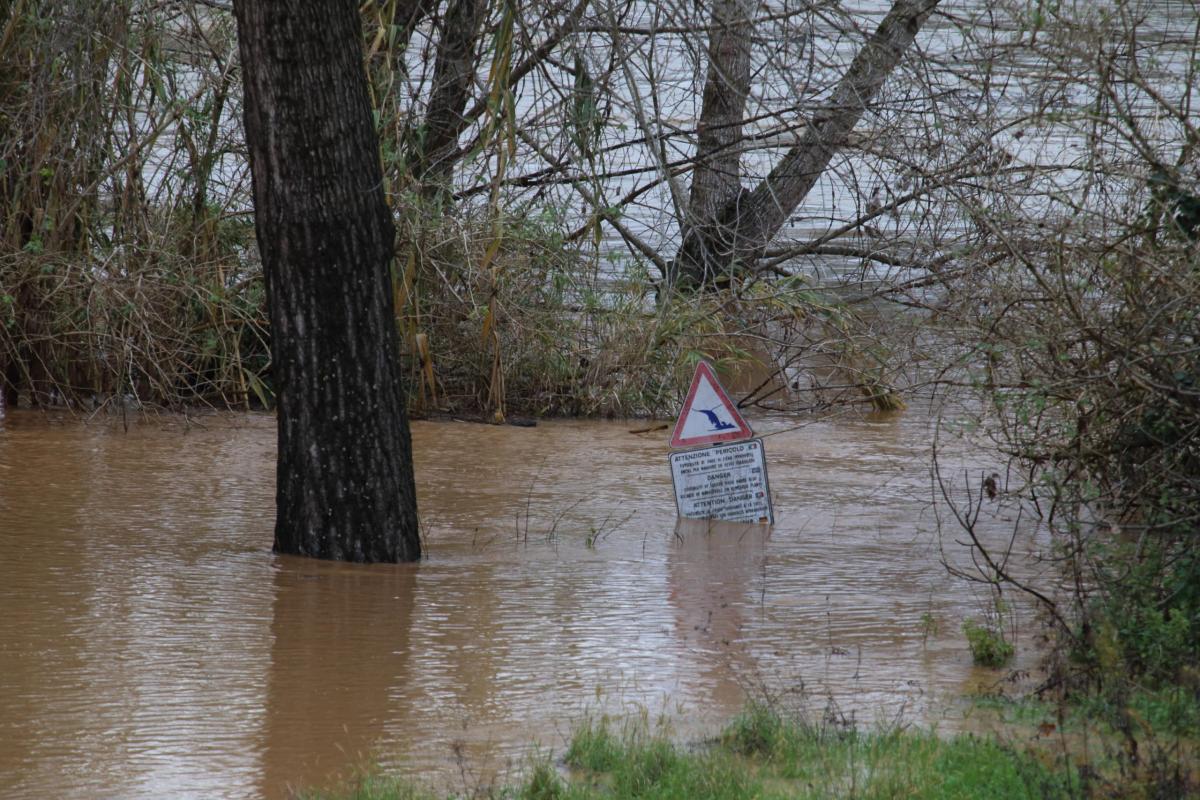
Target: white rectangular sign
x: 726, y: 482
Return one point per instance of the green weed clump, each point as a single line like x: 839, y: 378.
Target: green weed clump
x: 640, y: 764
x: 543, y: 783
x: 988, y: 646
x: 758, y: 732
x: 793, y: 747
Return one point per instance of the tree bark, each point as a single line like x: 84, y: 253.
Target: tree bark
x: 747, y: 223
x: 716, y: 177
x: 453, y: 74
x: 345, y: 486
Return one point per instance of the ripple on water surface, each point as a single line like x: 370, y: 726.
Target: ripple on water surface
x: 151, y: 645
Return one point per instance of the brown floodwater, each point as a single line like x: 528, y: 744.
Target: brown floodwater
x: 151, y: 645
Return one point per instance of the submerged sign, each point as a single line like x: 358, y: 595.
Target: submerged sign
x: 708, y: 415
x: 727, y: 482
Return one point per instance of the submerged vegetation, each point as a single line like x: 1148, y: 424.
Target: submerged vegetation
x: 988, y: 646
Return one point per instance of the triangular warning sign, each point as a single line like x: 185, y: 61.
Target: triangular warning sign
x: 708, y: 415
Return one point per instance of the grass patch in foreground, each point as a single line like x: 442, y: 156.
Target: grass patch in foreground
x: 763, y: 755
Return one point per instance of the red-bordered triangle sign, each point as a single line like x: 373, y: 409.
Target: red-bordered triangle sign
x: 708, y: 415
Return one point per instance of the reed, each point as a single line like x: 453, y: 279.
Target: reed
x: 128, y: 266
x: 520, y: 307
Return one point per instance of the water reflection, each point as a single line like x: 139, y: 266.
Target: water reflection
x: 339, y: 639
x: 711, y: 570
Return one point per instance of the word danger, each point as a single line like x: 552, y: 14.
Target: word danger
x: 726, y: 482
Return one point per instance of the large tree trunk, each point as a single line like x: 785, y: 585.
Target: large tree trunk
x: 716, y: 177
x: 453, y: 74
x: 344, y: 485
x: 747, y: 223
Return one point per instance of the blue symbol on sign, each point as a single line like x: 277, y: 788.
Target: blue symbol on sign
x: 717, y: 423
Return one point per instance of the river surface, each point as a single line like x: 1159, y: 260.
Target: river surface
x: 151, y: 645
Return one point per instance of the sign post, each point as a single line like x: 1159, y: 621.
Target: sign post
x: 727, y: 480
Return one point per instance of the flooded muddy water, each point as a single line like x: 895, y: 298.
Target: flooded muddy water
x: 151, y: 645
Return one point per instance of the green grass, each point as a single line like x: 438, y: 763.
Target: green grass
x: 638, y: 764
x: 1025, y: 711
x: 1167, y: 711
x: 373, y: 786
x: 764, y: 755
x: 817, y: 762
